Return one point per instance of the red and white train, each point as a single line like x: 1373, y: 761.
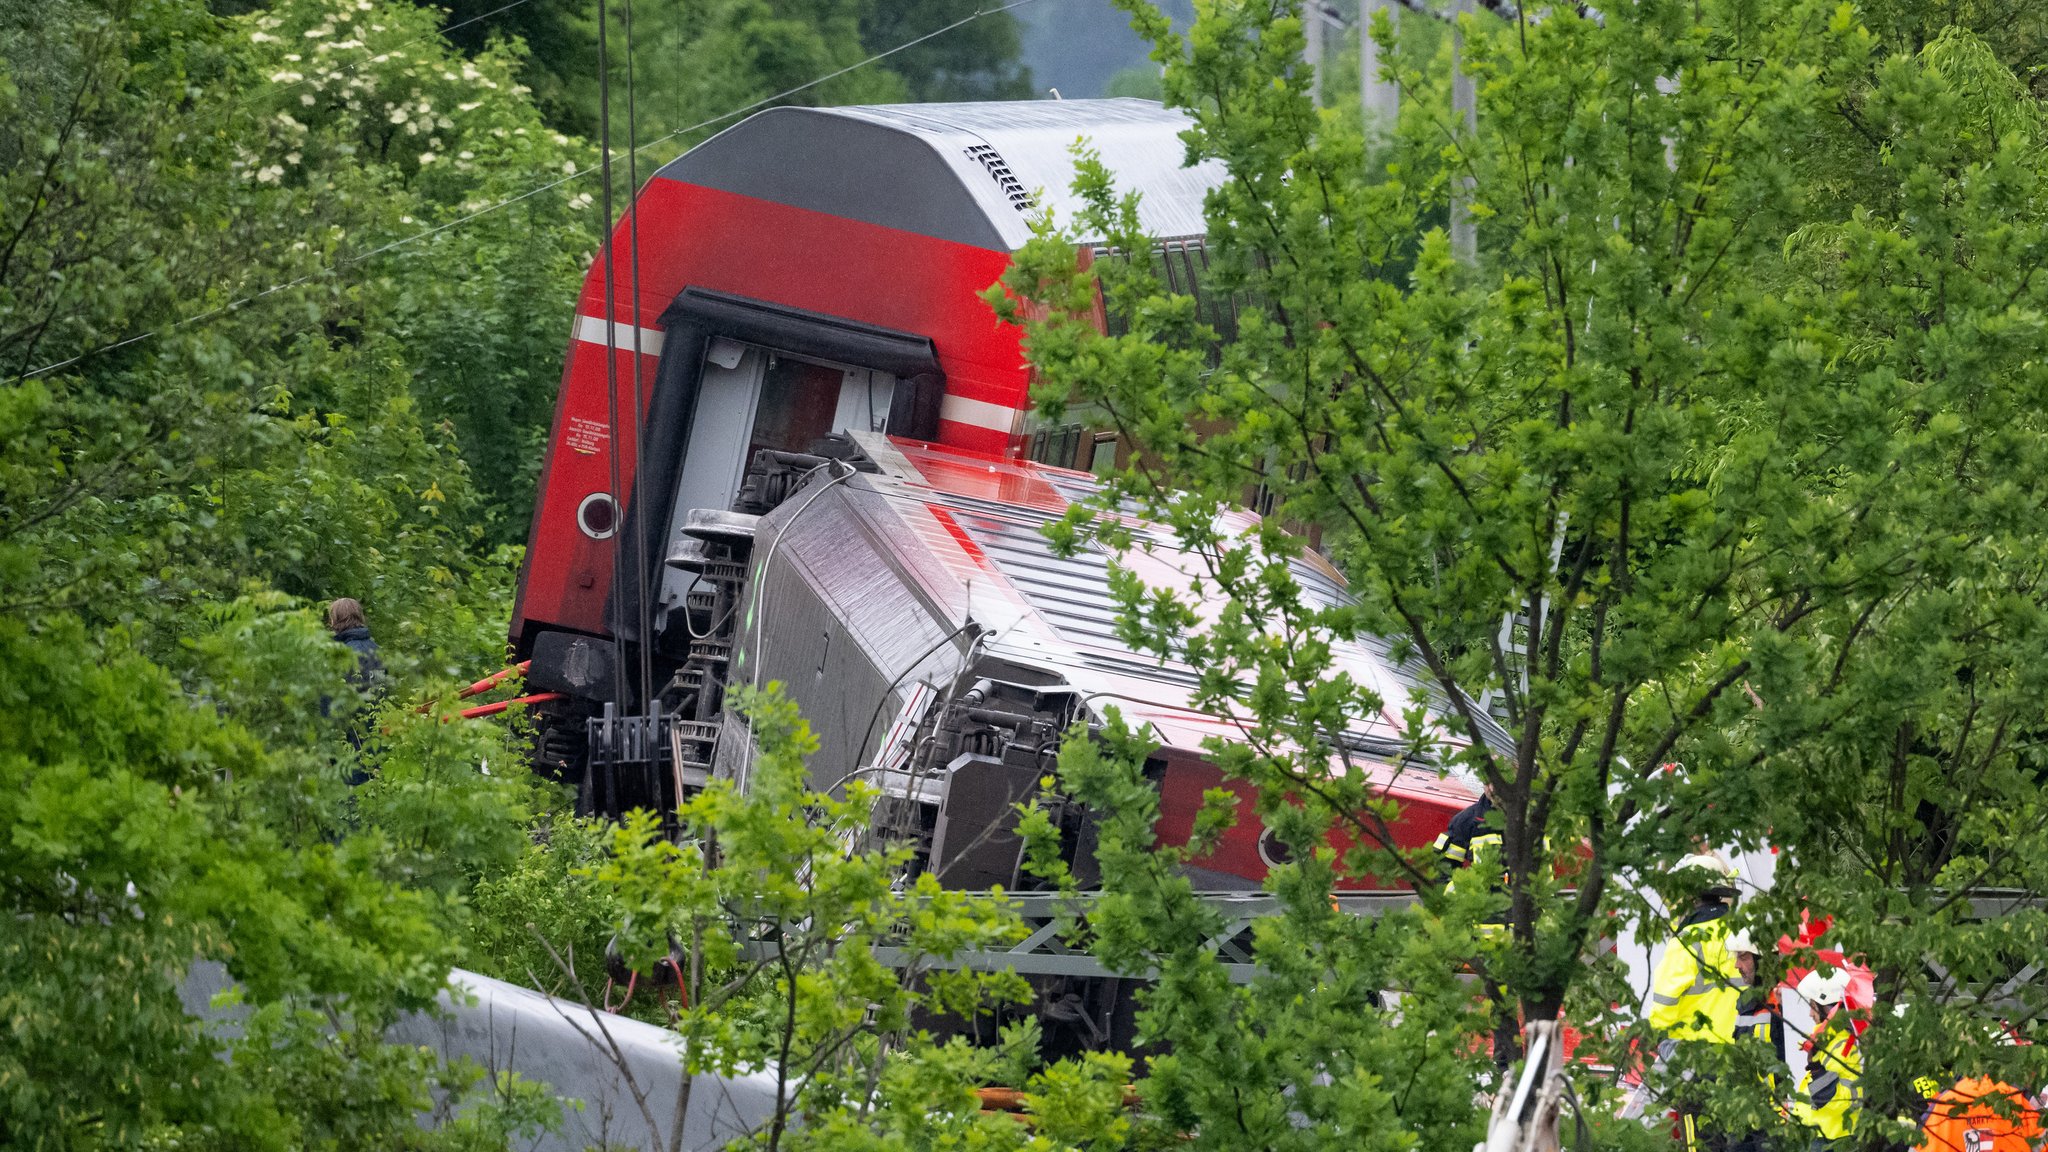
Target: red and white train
x: 794, y: 444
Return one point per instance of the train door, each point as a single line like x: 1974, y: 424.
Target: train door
x: 751, y: 399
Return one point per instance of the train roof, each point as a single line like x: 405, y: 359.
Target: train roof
x: 974, y: 174
x: 952, y: 538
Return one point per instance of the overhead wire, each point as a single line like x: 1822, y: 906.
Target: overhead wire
x: 459, y: 221
x: 644, y: 623
x: 611, y: 361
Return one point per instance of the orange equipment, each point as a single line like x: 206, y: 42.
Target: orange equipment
x: 1981, y: 1115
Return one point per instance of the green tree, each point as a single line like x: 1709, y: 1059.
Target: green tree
x: 372, y: 107
x: 146, y: 832
x: 782, y: 913
x: 1735, y: 421
x: 196, y: 399
x: 200, y: 425
x: 1140, y: 82
x: 681, y: 77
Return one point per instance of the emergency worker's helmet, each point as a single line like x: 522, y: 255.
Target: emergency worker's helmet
x: 1715, y: 876
x: 1824, y: 991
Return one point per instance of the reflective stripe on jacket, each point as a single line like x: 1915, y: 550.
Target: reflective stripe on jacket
x: 1456, y: 843
x: 1464, y: 841
x: 1831, y: 1092
x: 1758, y: 1021
x: 1697, y: 986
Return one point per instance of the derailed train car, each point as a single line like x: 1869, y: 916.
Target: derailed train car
x: 792, y: 445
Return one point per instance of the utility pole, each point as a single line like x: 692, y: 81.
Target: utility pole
x: 1312, y: 21
x: 1465, y: 109
x: 1381, y: 99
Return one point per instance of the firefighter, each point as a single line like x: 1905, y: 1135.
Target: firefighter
x: 1468, y: 830
x: 1757, y: 1015
x: 1698, y: 985
x: 1758, y: 1022
x: 1470, y: 836
x: 1830, y: 1095
x: 1980, y: 1114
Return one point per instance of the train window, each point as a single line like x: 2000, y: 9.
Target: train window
x: 1057, y: 445
x: 1102, y: 454
x: 799, y: 400
x: 1183, y: 269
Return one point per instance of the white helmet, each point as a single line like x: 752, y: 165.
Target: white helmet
x: 1707, y: 860
x: 1740, y: 942
x: 1824, y: 991
x: 1723, y: 873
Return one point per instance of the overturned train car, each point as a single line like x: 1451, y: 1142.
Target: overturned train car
x: 793, y: 444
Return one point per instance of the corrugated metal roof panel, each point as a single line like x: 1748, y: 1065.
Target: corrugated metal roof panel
x: 992, y: 513
x: 914, y: 552
x: 1001, y: 148
x: 971, y: 173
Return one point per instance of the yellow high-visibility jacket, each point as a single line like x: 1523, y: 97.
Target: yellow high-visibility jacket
x: 1831, y: 1092
x: 1465, y: 842
x: 1697, y: 986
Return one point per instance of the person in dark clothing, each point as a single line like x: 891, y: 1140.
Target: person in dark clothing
x: 1469, y: 834
x: 345, y: 620
x: 1455, y: 845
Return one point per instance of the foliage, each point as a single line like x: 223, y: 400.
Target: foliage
x: 544, y: 907
x: 781, y: 926
x: 446, y: 819
x: 370, y: 105
x: 202, y: 428
x: 783, y: 45
x: 1314, y: 1059
x: 131, y: 854
x: 200, y: 403
x: 1142, y: 83
x: 1737, y: 416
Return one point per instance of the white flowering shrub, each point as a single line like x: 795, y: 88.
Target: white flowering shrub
x: 380, y: 132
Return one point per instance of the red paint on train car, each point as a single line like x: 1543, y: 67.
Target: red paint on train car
x: 690, y: 236
x: 1425, y: 813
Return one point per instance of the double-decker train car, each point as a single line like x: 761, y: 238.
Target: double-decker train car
x: 794, y: 444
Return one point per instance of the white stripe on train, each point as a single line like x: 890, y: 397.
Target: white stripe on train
x: 590, y: 330
x: 957, y: 409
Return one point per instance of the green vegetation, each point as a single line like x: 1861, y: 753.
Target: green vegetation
x: 1739, y: 409
x: 691, y: 62
x: 289, y: 426
x: 1142, y: 83
x: 263, y: 345
x: 1739, y: 404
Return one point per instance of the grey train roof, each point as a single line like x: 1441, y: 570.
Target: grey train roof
x: 970, y: 173
x: 907, y: 555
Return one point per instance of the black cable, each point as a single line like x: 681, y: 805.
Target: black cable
x: 907, y: 670
x: 644, y: 623
x: 611, y: 356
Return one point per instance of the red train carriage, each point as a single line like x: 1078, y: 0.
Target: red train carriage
x: 791, y: 446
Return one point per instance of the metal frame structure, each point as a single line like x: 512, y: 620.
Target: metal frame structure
x: 1051, y: 916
